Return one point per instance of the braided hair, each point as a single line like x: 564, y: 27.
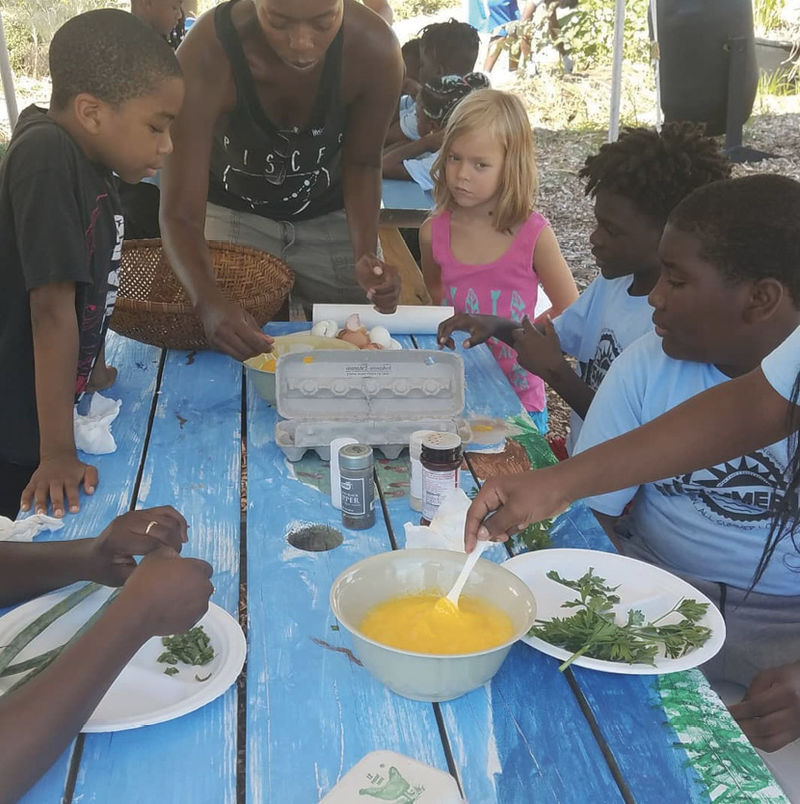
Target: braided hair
x: 655, y: 170
x: 454, y: 44
x: 787, y: 510
x: 439, y: 96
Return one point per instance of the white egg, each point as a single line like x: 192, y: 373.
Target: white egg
x: 381, y: 336
x: 325, y: 329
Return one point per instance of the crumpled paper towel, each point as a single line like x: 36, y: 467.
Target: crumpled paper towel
x: 446, y: 531
x: 93, y: 430
x: 23, y: 530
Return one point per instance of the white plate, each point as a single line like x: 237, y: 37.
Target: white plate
x: 142, y: 694
x: 641, y: 586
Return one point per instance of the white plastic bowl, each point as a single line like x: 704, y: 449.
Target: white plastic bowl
x: 424, y: 676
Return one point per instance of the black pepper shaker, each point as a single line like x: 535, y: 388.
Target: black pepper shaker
x: 357, y: 485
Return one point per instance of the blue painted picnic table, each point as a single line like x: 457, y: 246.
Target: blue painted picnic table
x: 303, y: 712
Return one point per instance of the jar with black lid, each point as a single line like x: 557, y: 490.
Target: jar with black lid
x: 441, y: 459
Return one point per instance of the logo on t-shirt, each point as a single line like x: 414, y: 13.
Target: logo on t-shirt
x: 742, y: 491
x: 608, y: 350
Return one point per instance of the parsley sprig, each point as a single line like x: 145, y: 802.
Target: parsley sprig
x: 593, y: 631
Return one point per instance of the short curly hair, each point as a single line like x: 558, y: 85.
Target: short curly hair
x: 749, y: 228
x: 110, y: 54
x: 655, y: 170
x: 455, y: 44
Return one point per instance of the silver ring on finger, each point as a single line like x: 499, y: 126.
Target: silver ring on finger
x: 150, y: 525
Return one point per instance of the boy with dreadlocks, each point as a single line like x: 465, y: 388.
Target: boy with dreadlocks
x: 635, y: 182
x: 117, y: 87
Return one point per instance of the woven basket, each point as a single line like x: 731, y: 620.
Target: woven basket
x: 153, y: 307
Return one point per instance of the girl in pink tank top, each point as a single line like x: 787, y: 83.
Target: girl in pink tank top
x: 484, y: 249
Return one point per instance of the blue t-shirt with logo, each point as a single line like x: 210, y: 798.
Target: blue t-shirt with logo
x: 711, y: 523
x: 782, y: 366
x: 596, y: 327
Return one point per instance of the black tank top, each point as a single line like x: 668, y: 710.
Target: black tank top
x: 280, y: 174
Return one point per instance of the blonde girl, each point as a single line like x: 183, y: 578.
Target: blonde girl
x: 485, y: 249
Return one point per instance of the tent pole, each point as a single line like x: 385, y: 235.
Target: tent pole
x: 656, y: 61
x: 8, y: 79
x: 616, y: 70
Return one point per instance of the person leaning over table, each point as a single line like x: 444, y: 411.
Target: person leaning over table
x: 726, y: 421
x: 278, y: 147
x: 165, y: 594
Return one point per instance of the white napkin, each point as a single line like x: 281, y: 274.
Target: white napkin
x: 23, y: 530
x: 93, y: 431
x: 446, y: 531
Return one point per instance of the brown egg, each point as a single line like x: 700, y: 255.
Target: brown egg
x: 373, y: 346
x: 358, y: 337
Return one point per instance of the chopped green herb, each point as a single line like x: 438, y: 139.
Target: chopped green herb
x: 334, y: 628
x: 171, y: 671
x: 194, y: 648
x: 204, y: 678
x: 593, y: 631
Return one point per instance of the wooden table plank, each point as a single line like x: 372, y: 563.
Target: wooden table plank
x: 312, y: 712
x: 193, y: 463
x: 137, y: 365
x: 404, y: 203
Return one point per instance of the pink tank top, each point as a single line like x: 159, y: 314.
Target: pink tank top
x: 507, y: 287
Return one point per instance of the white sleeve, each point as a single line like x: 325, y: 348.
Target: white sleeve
x: 615, y: 409
x: 420, y: 170
x: 782, y: 366
x: 570, y: 324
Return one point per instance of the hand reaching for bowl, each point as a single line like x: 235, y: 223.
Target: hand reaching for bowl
x: 232, y: 330
x: 380, y: 281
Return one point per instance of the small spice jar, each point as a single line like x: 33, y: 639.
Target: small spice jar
x: 415, y: 481
x: 440, y: 459
x: 357, y: 486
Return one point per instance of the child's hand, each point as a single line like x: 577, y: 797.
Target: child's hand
x: 380, y: 281
x: 110, y: 557
x: 539, y: 352
x: 167, y: 593
x: 769, y: 715
x: 53, y: 479
x: 479, y: 327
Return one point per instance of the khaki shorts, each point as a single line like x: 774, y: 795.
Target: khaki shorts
x: 318, y: 250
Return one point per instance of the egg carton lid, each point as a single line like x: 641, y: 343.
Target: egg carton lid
x: 370, y: 385
x: 389, y: 776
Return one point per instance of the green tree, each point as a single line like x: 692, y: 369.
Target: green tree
x: 41, y: 19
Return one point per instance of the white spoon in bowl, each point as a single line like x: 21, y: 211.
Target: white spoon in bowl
x: 449, y: 603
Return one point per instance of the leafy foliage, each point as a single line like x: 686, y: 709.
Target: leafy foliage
x: 30, y: 25
x: 587, y: 32
x: 405, y: 9
x: 593, y: 630
x: 768, y: 15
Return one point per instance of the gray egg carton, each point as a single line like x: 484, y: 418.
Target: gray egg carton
x: 377, y: 397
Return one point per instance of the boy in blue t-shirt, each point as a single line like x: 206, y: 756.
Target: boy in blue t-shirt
x: 728, y: 295
x: 635, y: 182
x: 117, y: 86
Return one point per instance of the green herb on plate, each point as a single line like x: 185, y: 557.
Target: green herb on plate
x: 193, y: 648
x: 593, y: 631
